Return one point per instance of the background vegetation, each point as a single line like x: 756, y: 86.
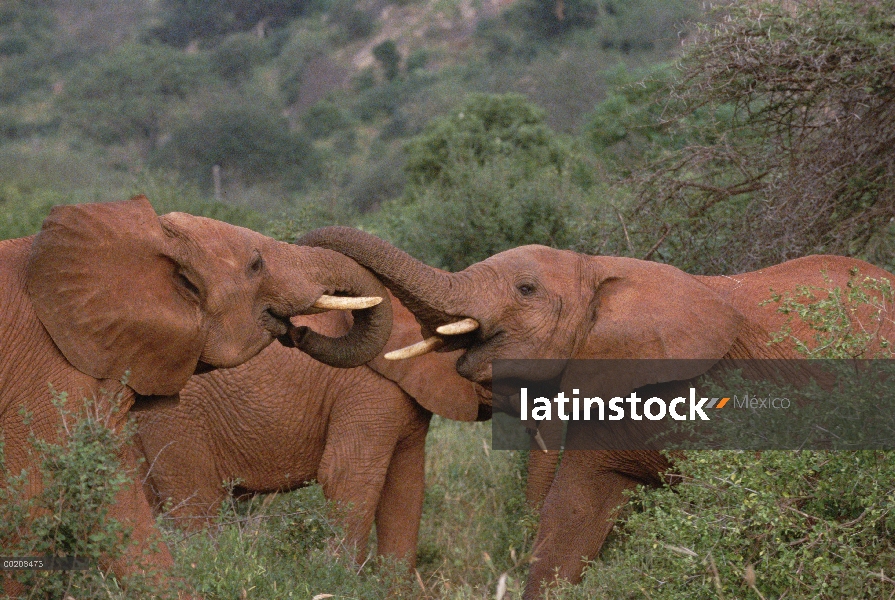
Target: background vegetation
x: 717, y: 141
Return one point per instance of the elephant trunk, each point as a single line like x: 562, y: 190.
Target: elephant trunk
x: 434, y: 296
x: 331, y: 274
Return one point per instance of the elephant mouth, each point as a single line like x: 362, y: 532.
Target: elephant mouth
x: 475, y: 364
x: 277, y: 325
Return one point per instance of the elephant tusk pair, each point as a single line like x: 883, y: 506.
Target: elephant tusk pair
x: 433, y: 343
x: 326, y: 302
x: 417, y: 349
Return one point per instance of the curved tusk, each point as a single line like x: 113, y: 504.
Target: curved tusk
x: 346, y: 302
x: 417, y: 349
x: 540, y: 440
x: 464, y: 326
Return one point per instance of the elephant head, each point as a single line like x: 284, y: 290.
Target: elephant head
x: 429, y: 379
x: 119, y: 288
x: 535, y: 302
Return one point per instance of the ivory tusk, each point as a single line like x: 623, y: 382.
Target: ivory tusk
x: 417, y: 349
x: 463, y: 326
x: 346, y: 302
x: 540, y: 440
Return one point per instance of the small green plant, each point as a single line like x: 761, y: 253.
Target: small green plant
x: 845, y: 323
x: 283, y: 546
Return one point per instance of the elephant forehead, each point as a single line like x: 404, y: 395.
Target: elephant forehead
x: 539, y: 261
x: 214, y: 241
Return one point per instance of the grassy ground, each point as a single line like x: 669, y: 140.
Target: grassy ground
x: 475, y: 533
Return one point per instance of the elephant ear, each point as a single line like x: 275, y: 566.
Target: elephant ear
x: 102, y: 282
x: 646, y: 310
x: 431, y: 379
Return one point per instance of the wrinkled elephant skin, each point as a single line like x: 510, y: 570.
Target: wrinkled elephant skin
x: 535, y: 302
x: 109, y: 288
x: 283, y: 419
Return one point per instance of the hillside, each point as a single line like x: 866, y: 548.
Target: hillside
x: 167, y: 89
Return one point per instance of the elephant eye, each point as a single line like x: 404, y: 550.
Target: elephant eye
x: 526, y: 289
x: 188, y: 285
x: 257, y: 263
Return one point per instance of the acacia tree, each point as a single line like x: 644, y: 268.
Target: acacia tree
x: 795, y: 156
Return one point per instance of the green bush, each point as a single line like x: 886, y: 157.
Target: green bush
x: 389, y: 58
x: 483, y: 128
x: 742, y: 525
x: 235, y: 57
x: 184, y: 21
x: 129, y: 93
x: 418, y: 59
x: 374, y: 100
x: 282, y: 546
x: 488, y: 177
x: 355, y: 23
x: 324, y: 119
x: 248, y: 139
x: 80, y: 477
x: 484, y: 211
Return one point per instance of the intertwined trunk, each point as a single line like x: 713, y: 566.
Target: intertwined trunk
x: 436, y: 297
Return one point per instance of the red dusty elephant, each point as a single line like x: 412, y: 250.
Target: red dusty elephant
x: 535, y: 302
x: 283, y: 419
x: 109, y: 288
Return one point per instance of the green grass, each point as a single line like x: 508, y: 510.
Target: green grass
x: 475, y: 528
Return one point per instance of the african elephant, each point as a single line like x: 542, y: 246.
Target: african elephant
x: 283, y: 419
x: 105, y: 289
x: 538, y: 302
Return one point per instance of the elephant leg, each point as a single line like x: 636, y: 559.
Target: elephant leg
x: 541, y: 472
x: 352, y: 472
x: 146, y: 554
x: 541, y: 464
x: 182, y: 472
x: 401, y: 503
x: 577, y: 515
